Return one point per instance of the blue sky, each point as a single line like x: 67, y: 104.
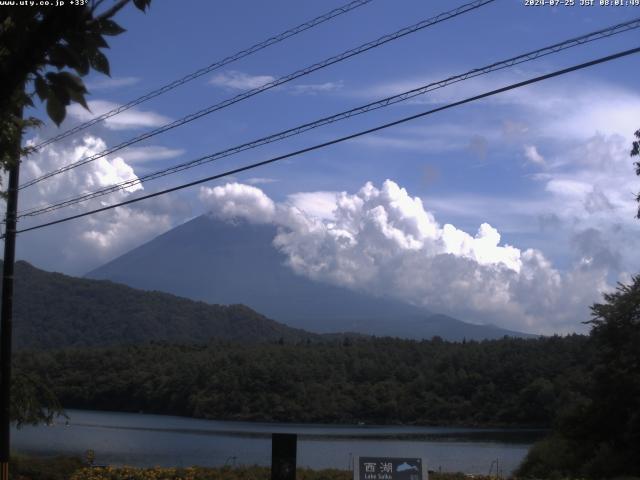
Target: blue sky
x: 546, y: 166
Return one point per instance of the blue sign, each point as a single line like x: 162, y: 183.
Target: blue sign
x: 389, y: 468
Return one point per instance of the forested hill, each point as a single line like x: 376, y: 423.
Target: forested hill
x: 52, y: 310
x: 514, y: 382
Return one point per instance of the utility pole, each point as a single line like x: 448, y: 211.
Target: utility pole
x: 283, y: 456
x: 6, y: 313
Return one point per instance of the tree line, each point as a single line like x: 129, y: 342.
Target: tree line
x: 507, y: 382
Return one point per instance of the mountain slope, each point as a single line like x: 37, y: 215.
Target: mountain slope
x: 218, y: 262
x: 52, y: 310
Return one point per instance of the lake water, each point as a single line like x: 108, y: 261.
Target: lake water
x: 159, y: 440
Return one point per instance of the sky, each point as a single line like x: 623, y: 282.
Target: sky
x: 517, y: 210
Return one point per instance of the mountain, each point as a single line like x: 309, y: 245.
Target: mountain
x: 219, y: 262
x: 52, y: 310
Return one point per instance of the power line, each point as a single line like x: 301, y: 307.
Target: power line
x: 208, y: 69
x: 532, y: 55
x: 280, y: 81
x: 343, y: 139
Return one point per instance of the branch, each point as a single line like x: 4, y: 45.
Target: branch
x: 112, y: 11
x: 96, y: 4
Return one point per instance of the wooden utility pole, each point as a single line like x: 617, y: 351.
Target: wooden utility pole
x: 283, y: 456
x: 6, y: 313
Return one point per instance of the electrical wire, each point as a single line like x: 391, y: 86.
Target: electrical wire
x: 341, y: 139
x: 529, y: 56
x: 208, y: 69
x: 277, y: 82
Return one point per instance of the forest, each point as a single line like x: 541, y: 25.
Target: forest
x: 78, y: 312
x: 508, y: 382
x: 585, y: 389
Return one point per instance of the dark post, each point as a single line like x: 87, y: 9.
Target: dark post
x: 6, y: 314
x: 283, y: 456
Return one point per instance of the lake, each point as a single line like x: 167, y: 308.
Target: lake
x: 160, y: 440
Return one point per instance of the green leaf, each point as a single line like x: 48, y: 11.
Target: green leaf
x: 57, y: 56
x: 109, y: 27
x: 74, y: 87
x: 99, y: 62
x: 72, y: 81
x: 58, y: 88
x: 42, y: 89
x: 78, y: 97
x: 84, y: 65
x: 97, y: 40
x: 56, y: 110
x: 142, y: 4
x: 64, y: 55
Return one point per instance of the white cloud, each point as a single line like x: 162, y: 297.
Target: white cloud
x: 238, y: 200
x: 102, y: 172
x: 123, y: 228
x: 383, y: 241
x: 471, y: 136
x: 76, y: 246
x: 149, y: 154
x: 316, y: 204
x: 561, y: 111
x: 129, y: 119
x: 236, y: 80
x: 594, y: 182
x: 316, y: 88
x: 240, y: 81
x: 582, y: 137
x: 531, y: 153
x: 427, y: 144
x: 557, y: 109
x: 449, y: 93
x: 260, y: 180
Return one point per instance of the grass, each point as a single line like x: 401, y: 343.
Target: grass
x: 73, y: 468
x: 33, y: 468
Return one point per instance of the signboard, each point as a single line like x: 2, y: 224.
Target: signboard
x: 389, y: 468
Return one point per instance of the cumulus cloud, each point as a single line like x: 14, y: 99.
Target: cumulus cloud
x: 120, y: 229
x: 130, y: 119
x: 236, y: 200
x: 102, y: 172
x: 240, y: 81
x: 77, y: 246
x: 316, y: 204
x: 383, y: 241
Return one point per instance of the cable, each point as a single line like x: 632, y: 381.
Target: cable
x: 282, y: 80
x: 532, y: 55
x: 208, y: 69
x: 342, y: 139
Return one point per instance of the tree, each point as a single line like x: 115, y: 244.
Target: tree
x: 635, y: 151
x: 600, y: 436
x: 44, y: 52
x: 614, y: 415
